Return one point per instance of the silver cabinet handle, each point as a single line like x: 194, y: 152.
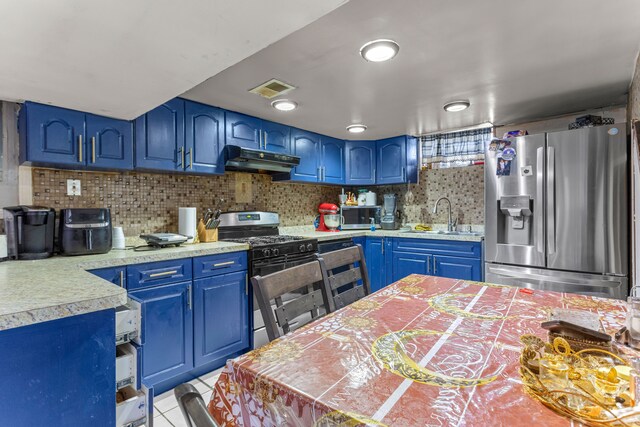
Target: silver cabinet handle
x: 538, y: 211
x: 264, y: 139
x: 221, y: 264
x: 435, y: 266
x: 404, y: 174
x: 80, y: 148
x: 93, y: 149
x: 121, y: 279
x: 181, y: 156
x: 246, y: 284
x: 164, y: 273
x: 189, y: 298
x: 551, y: 200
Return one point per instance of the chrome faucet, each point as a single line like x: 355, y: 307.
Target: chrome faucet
x: 451, y: 225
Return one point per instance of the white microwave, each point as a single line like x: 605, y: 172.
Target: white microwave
x: 358, y: 217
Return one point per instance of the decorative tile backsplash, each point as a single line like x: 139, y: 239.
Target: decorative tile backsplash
x: 148, y: 202
x: 463, y: 186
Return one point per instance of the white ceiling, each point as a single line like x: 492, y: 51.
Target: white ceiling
x: 122, y: 58
x: 514, y: 60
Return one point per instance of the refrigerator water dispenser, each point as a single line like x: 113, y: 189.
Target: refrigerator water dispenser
x: 515, y: 222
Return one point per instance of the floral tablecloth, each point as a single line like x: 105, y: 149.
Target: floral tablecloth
x: 424, y: 351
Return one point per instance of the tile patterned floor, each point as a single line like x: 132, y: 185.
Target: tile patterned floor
x: 166, y: 412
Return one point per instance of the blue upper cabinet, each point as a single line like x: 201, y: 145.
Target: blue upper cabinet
x: 160, y: 137
x: 204, y: 138
x: 391, y: 160
x: 305, y: 145
x: 331, y: 160
x: 412, y: 159
x: 110, y: 143
x: 275, y: 137
x: 360, y: 162
x: 52, y: 135
x: 243, y: 130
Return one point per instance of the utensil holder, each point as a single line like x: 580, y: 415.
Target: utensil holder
x: 206, y: 236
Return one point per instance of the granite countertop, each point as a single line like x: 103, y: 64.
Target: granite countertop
x: 49, y: 289
x: 309, y: 231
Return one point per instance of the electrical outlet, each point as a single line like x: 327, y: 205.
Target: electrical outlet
x: 73, y: 187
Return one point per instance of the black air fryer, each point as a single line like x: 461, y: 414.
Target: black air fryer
x: 84, y: 231
x: 30, y: 231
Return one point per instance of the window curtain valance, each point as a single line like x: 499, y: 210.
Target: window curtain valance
x: 454, y: 149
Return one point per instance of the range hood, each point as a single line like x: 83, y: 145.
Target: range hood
x: 249, y: 160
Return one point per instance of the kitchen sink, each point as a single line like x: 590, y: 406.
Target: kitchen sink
x: 446, y: 233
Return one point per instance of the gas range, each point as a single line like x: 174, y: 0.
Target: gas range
x: 277, y: 245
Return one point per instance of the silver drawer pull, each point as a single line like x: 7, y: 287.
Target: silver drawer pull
x: 164, y: 273
x: 221, y: 264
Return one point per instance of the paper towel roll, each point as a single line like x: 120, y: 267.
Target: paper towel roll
x: 187, y: 223
x: 117, y: 238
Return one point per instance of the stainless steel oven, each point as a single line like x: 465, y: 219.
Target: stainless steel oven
x: 359, y: 217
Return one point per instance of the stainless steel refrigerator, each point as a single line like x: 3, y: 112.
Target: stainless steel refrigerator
x: 556, y: 215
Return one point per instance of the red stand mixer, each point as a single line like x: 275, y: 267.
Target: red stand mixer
x: 329, y: 217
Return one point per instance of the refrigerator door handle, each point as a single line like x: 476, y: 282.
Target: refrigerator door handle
x: 539, y: 209
x: 551, y: 200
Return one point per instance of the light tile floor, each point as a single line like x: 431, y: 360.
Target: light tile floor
x: 166, y: 411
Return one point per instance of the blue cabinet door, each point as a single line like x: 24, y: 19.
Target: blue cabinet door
x: 275, y: 137
x: 374, y: 256
x: 405, y: 263
x: 167, y: 329
x: 391, y: 160
x: 332, y: 160
x: 160, y: 137
x: 305, y: 145
x: 109, y: 143
x: 115, y: 275
x: 52, y: 135
x: 204, y: 138
x: 221, y: 322
x: 242, y: 130
x: 360, y: 162
x: 457, y: 268
x: 412, y: 159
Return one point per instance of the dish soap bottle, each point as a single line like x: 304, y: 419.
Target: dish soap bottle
x: 373, y: 224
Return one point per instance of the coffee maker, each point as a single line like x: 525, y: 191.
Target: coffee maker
x: 329, y: 217
x: 30, y: 231
x: 389, y: 219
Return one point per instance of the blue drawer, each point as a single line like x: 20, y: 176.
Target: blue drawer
x: 212, y: 265
x: 439, y: 247
x: 158, y: 273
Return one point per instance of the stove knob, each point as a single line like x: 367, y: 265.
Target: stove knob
x: 302, y: 248
x: 309, y: 246
x: 266, y: 252
x: 276, y: 252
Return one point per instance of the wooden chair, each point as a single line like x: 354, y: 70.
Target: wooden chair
x: 298, y: 284
x: 342, y: 276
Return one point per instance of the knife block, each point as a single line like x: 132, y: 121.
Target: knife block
x: 206, y: 236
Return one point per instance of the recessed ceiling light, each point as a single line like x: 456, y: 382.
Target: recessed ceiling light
x: 356, y: 128
x: 456, y: 106
x: 379, y: 50
x: 284, y: 105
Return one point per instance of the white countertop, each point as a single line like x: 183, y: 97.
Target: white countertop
x: 309, y: 231
x: 49, y: 289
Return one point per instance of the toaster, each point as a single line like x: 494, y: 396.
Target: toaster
x: 84, y: 231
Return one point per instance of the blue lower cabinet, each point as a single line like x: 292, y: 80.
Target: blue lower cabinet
x: 457, y: 268
x: 167, y: 330
x: 115, y: 275
x: 59, y: 373
x: 221, y: 316
x: 376, y: 256
x: 405, y: 263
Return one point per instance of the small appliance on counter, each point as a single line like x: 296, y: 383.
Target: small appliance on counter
x: 359, y: 217
x: 161, y: 240
x: 390, y: 217
x: 30, y: 231
x: 362, y: 197
x: 370, y: 198
x: 329, y: 217
x: 84, y: 231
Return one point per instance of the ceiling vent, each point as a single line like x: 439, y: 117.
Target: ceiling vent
x: 272, y: 88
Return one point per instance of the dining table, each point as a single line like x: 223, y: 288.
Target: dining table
x: 423, y: 351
